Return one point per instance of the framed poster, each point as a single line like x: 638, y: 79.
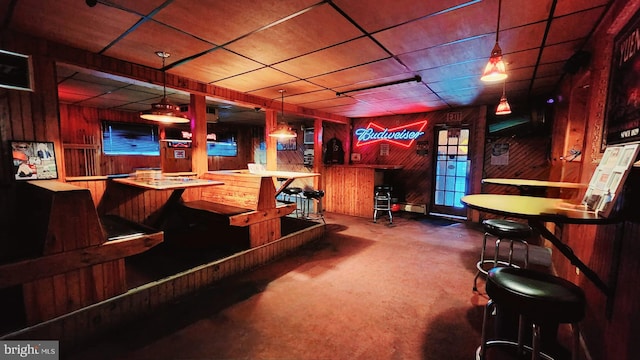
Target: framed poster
x: 16, y: 71
x: 33, y: 160
x: 622, y: 119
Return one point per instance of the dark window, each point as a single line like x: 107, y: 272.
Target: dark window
x: 130, y: 139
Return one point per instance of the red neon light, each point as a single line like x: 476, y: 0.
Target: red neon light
x: 416, y: 127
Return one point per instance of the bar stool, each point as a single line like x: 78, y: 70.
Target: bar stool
x: 538, y: 298
x: 514, y: 232
x: 313, y: 200
x: 295, y: 193
x: 382, y: 201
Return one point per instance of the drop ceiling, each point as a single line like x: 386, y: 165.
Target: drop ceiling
x: 315, y: 49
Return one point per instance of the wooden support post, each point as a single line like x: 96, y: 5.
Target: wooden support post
x: 271, y: 123
x: 198, y: 116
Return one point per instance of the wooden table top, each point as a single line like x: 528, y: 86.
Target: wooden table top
x: 268, y: 173
x: 533, y: 183
x: 169, y: 183
x: 531, y: 207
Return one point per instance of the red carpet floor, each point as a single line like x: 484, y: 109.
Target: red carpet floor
x: 366, y: 291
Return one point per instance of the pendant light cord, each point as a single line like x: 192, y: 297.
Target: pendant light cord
x: 164, y: 76
x: 498, y: 25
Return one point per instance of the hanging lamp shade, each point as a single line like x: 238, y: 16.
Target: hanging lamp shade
x: 283, y: 131
x: 495, y: 69
x: 164, y: 111
x: 503, y: 107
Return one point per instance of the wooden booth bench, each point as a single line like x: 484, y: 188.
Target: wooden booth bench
x: 71, y: 257
x: 245, y: 200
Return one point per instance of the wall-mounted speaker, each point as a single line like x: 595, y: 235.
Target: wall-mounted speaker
x: 576, y: 61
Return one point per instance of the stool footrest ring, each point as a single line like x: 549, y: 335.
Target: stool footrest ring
x: 480, y: 267
x: 513, y: 344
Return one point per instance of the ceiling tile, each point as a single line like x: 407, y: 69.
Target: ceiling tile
x: 353, y: 53
x: 216, y: 65
x: 573, y: 27
x: 569, y: 7
x: 220, y: 22
x: 258, y: 79
x: 140, y: 46
x: 297, y: 36
x: 291, y: 88
x: 74, y: 23
x: 367, y: 72
x: 436, y: 30
x: 388, y: 13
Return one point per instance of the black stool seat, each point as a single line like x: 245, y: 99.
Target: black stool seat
x: 538, y: 296
x: 383, y: 188
x: 292, y: 190
x: 313, y: 194
x: 507, y: 229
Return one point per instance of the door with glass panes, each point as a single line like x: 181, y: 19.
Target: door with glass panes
x: 452, y: 168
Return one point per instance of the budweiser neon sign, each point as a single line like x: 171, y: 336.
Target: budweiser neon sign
x: 403, y: 135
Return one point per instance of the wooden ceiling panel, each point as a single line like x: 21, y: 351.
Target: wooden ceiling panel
x: 290, y: 89
x: 140, y: 45
x: 375, y: 70
x: 560, y: 52
x: 316, y: 96
x: 350, y: 54
x: 143, y: 7
x: 573, y: 27
x: 130, y: 95
x: 101, y: 102
x: 436, y: 30
x: 258, y: 79
x: 450, y: 54
x: 398, y: 91
x: 570, y: 7
x: 74, y: 23
x: 387, y: 13
x: 550, y: 69
x: 223, y: 21
x: 216, y: 65
x: 451, y: 85
x: 472, y: 69
x: 314, y: 48
x: 517, y: 13
x: 522, y: 38
x: 85, y: 88
x: 329, y: 102
x: 297, y: 36
x: 520, y: 59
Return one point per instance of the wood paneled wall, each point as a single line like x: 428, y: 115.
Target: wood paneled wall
x: 612, y: 251
x: 81, y: 123
x: 528, y: 159
x: 413, y: 184
x: 25, y: 116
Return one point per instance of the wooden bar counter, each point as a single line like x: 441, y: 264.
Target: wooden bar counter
x: 349, y: 188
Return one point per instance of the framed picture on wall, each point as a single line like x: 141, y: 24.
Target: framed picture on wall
x: 16, y: 71
x: 287, y: 144
x: 33, y: 160
x: 622, y: 119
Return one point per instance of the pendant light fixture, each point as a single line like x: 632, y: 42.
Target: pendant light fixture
x: 503, y: 107
x: 495, y: 69
x: 164, y: 111
x: 283, y: 131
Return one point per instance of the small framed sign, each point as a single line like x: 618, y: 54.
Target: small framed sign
x: 16, y: 71
x: 33, y: 160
